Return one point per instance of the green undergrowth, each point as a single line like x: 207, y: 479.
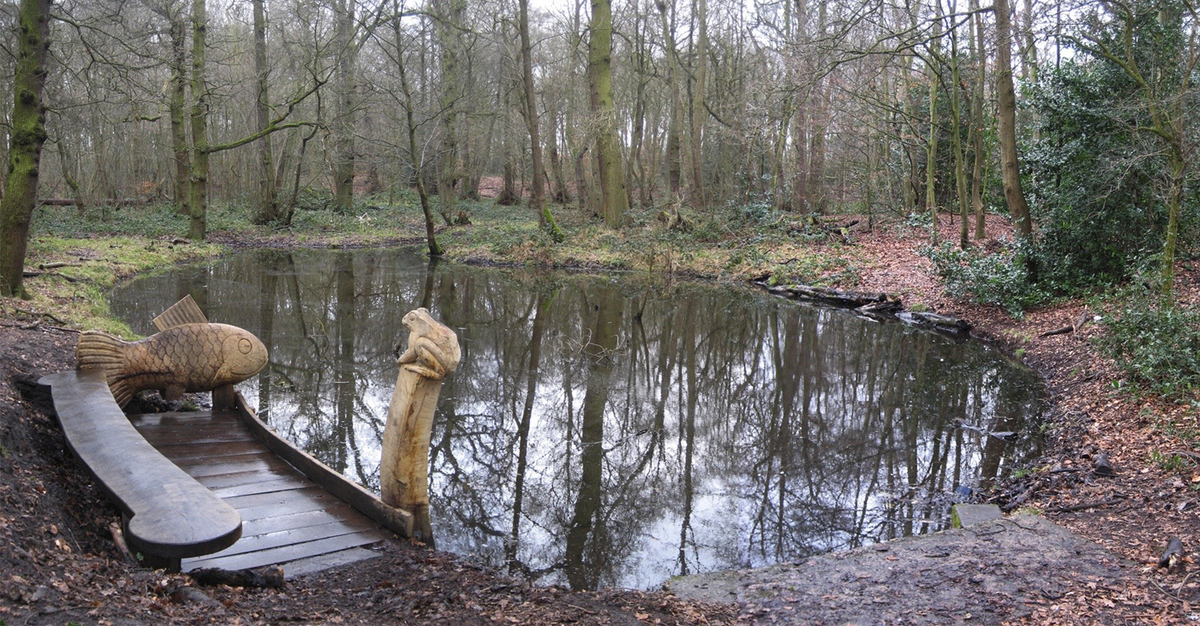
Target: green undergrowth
x: 1155, y: 343
x: 73, y: 275
x: 734, y: 241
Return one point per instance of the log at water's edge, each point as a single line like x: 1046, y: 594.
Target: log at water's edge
x: 877, y: 306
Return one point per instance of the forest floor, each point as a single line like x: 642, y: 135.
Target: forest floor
x: 58, y: 563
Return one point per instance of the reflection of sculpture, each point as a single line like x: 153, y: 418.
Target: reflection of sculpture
x: 404, y: 470
x: 189, y: 355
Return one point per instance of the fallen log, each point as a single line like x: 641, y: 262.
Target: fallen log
x: 936, y: 321
x: 263, y: 577
x: 35, y: 274
x: 1085, y: 506
x: 834, y: 297
x: 887, y: 308
x: 1069, y: 328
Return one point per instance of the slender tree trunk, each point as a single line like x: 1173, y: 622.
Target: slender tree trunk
x: 198, y: 179
x: 614, y: 198
x: 537, y: 196
x: 267, y: 206
x: 977, y: 126
x: 65, y: 164
x: 931, y: 150
x: 1174, y: 209
x: 700, y: 73
x: 1006, y: 109
x: 178, y: 102
x: 561, y: 195
x: 343, y: 167
x: 435, y: 250
x: 960, y: 174
x: 25, y: 144
x: 449, y: 168
x: 674, y: 153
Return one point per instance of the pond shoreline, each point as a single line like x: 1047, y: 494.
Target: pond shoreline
x: 1087, y: 418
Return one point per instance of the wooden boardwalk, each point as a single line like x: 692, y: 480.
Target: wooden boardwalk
x: 286, y: 517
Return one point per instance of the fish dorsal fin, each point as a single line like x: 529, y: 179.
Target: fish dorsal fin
x: 186, y: 311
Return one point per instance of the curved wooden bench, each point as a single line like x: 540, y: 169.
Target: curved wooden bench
x: 168, y: 515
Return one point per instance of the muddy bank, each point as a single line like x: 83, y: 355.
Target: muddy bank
x: 991, y: 572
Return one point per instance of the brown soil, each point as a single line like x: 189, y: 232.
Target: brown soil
x: 58, y: 563
x: 1135, y: 512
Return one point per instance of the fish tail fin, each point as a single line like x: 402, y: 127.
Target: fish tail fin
x: 98, y: 350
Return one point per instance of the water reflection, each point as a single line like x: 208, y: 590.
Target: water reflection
x: 605, y: 433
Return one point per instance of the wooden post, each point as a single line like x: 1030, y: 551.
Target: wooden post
x: 432, y: 354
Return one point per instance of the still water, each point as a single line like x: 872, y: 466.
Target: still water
x: 607, y: 432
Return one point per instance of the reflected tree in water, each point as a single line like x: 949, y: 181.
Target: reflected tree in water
x: 602, y: 432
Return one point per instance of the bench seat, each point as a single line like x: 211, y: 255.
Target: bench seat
x: 168, y: 515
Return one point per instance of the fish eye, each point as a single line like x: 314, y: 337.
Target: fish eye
x: 244, y: 345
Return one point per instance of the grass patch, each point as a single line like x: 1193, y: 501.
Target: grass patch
x: 74, y: 293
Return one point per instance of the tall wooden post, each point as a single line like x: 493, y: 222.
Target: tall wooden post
x: 431, y: 355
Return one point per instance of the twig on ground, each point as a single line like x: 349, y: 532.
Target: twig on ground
x: 1086, y: 505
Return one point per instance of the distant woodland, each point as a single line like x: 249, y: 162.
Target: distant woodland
x: 1074, y: 118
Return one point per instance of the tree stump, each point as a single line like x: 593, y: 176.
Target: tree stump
x: 432, y: 354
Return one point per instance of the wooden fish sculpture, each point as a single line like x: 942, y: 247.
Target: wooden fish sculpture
x: 188, y: 354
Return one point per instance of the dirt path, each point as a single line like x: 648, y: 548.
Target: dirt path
x: 1133, y: 513
x: 991, y: 572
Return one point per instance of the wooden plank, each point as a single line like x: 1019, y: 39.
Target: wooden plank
x: 199, y: 436
x: 293, y: 552
x: 275, y: 523
x: 261, y: 455
x: 184, y: 452
x: 155, y: 418
x: 218, y: 481
x: 187, y: 425
x: 313, y: 492
x: 170, y: 515
x: 320, y: 563
x: 262, y: 486
x: 286, y: 505
x: 268, y: 541
x: 260, y: 463
x: 396, y: 520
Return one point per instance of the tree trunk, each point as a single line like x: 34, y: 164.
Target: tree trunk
x: 674, y: 154
x: 537, y: 195
x: 700, y: 74
x: 198, y: 179
x: 343, y: 127
x: 435, y: 250
x: 179, y: 130
x: 1174, y: 209
x: 960, y: 174
x: 931, y: 150
x: 561, y: 195
x: 614, y: 198
x: 267, y: 209
x: 977, y: 126
x: 25, y: 144
x: 1006, y: 109
x: 449, y: 168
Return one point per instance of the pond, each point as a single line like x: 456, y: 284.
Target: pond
x: 613, y: 431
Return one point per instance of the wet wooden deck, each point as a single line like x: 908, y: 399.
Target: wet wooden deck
x: 287, y: 519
